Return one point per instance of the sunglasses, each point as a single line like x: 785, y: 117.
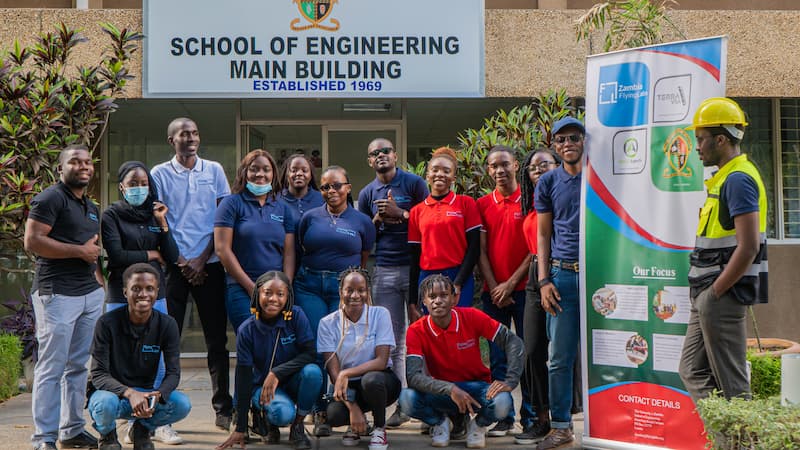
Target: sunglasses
x: 335, y: 186
x: 574, y: 138
x: 378, y: 151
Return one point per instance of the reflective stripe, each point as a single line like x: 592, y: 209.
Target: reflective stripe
x: 722, y: 242
x: 697, y: 272
x: 753, y: 271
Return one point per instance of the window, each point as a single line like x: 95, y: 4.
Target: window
x: 758, y: 145
x: 790, y: 166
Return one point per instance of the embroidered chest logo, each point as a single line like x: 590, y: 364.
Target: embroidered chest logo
x: 469, y: 343
x: 290, y: 339
x: 455, y: 214
x: 276, y: 218
x: 151, y: 349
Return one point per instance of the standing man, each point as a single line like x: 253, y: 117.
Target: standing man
x: 504, y: 264
x: 729, y: 262
x: 557, y: 201
x: 388, y: 200
x: 62, y: 231
x: 192, y: 187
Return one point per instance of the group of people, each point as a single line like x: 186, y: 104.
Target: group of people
x: 283, y: 258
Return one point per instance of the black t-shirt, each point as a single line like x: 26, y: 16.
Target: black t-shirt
x: 73, y: 221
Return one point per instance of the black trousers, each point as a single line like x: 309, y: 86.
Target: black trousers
x: 374, y: 392
x: 210, y: 301
x: 534, y: 330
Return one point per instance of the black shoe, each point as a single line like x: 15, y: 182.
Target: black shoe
x: 81, y: 440
x: 273, y: 435
x: 109, y: 441
x: 223, y: 422
x: 321, y: 426
x: 298, y: 438
x: 501, y: 429
x: 141, y: 437
x: 532, y: 433
x: 397, y: 419
x: 459, y: 430
x: 45, y: 446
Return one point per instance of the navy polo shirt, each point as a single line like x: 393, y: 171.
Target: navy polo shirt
x: 74, y: 221
x: 312, y: 199
x: 259, y: 232
x: 326, y: 245
x: 560, y: 193
x: 256, y: 339
x: 391, y: 245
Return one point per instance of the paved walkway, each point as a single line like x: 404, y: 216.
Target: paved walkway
x: 199, y: 433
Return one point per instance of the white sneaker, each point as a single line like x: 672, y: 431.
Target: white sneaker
x: 476, y: 435
x: 350, y: 438
x: 440, y: 434
x: 128, y: 439
x: 378, y: 440
x: 167, y: 435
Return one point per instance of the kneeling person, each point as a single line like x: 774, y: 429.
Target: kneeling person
x: 275, y: 369
x: 126, y: 350
x: 447, y: 344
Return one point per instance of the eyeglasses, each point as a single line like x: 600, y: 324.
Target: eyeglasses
x: 574, y: 138
x: 378, y: 151
x: 542, y: 166
x: 334, y: 186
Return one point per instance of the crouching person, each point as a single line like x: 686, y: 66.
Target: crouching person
x: 446, y: 343
x: 126, y: 350
x: 275, y: 365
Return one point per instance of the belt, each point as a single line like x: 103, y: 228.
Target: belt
x: 563, y: 264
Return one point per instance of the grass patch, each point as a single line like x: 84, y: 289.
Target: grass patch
x: 10, y: 354
x: 750, y: 424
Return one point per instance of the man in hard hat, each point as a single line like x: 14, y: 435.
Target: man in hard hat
x: 729, y: 261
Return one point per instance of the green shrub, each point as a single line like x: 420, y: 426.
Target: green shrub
x: 10, y: 354
x: 750, y: 424
x: 765, y: 376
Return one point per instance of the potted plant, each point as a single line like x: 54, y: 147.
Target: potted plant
x: 749, y: 424
x: 22, y: 324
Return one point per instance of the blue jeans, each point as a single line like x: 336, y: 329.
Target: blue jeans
x: 64, y: 327
x: 467, y: 290
x: 515, y: 312
x: 316, y: 292
x: 237, y: 304
x: 433, y: 408
x: 302, y: 389
x: 563, y: 330
x: 106, y: 407
x: 390, y: 290
x: 160, y: 306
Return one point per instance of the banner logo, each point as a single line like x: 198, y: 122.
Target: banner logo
x: 315, y: 12
x: 676, y: 149
x: 671, y: 98
x: 629, y: 151
x: 623, y: 93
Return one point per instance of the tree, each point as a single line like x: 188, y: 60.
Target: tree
x: 46, y: 104
x: 627, y: 23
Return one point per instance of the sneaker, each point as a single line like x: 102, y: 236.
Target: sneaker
x: 556, y: 438
x: 273, y: 434
x: 223, y: 422
x: 476, y: 435
x: 397, y: 419
x: 459, y: 427
x: 533, y: 433
x: 167, y: 435
x: 141, y: 437
x: 298, y: 438
x: 350, y: 438
x: 109, y: 441
x: 501, y: 429
x: 321, y: 427
x: 81, y: 440
x: 128, y: 439
x: 45, y: 446
x: 378, y: 440
x: 440, y: 434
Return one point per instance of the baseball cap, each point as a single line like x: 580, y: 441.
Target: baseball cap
x: 568, y: 122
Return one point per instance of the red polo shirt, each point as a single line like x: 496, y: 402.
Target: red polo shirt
x: 502, y: 222
x: 453, y: 354
x: 440, y: 227
x: 530, y: 226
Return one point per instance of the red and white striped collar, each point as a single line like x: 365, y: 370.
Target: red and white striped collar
x: 515, y: 196
x: 433, y: 327
x: 450, y: 198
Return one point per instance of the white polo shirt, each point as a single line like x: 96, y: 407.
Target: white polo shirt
x: 357, y: 347
x: 191, y: 196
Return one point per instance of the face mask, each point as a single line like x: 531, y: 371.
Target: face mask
x: 135, y: 196
x: 259, y: 189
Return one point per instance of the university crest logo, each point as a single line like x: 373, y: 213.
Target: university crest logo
x: 676, y: 150
x: 316, y: 13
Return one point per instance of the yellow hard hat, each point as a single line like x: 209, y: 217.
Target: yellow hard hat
x: 719, y: 112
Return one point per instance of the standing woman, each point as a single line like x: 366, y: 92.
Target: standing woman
x: 536, y: 164
x: 135, y: 230
x: 300, y: 186
x: 355, y: 343
x: 253, y: 232
x: 444, y: 231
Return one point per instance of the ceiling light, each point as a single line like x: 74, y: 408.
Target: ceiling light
x: 367, y: 107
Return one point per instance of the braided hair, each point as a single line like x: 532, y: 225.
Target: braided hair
x: 255, y: 306
x: 344, y: 322
x: 526, y: 185
x: 434, y: 280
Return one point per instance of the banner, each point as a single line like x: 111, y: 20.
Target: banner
x: 642, y: 191
x: 313, y: 48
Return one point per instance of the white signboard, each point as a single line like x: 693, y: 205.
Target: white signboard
x: 313, y: 48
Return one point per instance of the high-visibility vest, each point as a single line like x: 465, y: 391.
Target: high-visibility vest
x: 716, y: 239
